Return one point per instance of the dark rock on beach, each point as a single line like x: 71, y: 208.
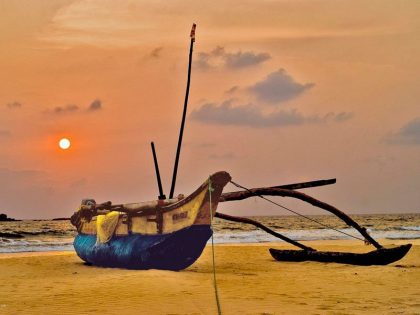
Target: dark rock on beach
x: 3, y: 217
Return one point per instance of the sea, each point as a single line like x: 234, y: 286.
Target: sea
x: 58, y: 235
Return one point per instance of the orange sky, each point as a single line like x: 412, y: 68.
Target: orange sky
x: 282, y: 91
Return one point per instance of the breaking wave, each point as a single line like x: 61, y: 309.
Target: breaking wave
x: 24, y: 236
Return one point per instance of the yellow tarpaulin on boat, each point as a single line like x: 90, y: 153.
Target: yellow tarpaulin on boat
x: 106, y: 225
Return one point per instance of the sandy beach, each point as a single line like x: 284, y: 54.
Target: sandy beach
x: 249, y: 282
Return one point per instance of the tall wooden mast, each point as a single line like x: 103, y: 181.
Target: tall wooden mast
x: 181, y: 131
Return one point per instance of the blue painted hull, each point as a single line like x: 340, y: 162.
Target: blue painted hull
x: 173, y: 251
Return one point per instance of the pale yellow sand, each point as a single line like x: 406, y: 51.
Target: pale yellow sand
x: 249, y: 282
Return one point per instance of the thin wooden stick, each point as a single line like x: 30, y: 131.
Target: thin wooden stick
x: 159, y: 182
x: 314, y: 183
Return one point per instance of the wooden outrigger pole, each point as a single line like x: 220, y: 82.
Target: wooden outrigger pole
x: 274, y: 191
x: 380, y: 256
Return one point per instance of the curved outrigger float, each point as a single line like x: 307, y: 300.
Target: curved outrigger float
x: 171, y: 233
x: 380, y: 256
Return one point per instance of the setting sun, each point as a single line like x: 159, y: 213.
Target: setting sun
x: 64, y: 143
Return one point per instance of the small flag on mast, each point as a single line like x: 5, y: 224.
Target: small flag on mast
x: 192, y: 35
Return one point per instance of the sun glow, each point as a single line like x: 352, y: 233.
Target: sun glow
x: 64, y: 143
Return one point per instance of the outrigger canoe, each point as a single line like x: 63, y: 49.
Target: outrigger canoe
x: 381, y: 256
x: 165, y: 234
x: 172, y: 233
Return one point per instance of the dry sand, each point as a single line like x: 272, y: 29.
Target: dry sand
x: 248, y: 279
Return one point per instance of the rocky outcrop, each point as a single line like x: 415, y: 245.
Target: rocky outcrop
x: 3, y: 217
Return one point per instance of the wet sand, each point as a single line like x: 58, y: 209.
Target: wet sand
x: 249, y: 282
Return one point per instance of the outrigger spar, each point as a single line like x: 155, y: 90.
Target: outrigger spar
x: 380, y: 256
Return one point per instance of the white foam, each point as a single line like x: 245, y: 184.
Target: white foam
x: 410, y: 228
x: 33, y: 245
x: 223, y: 236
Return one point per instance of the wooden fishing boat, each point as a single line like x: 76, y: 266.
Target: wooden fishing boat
x: 382, y: 256
x: 164, y: 234
x: 170, y: 233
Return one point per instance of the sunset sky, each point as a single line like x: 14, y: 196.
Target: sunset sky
x: 281, y: 92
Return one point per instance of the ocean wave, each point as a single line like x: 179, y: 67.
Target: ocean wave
x: 44, y: 235
x: 22, y: 245
x: 409, y: 228
x: 11, y: 235
x: 258, y: 236
x: 231, y: 228
x: 44, y: 232
x: 22, y: 234
x: 403, y: 237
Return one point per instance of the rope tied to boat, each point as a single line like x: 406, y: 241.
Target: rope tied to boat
x: 297, y: 213
x: 216, y: 293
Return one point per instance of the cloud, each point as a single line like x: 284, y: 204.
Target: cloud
x: 155, y: 53
x: 244, y: 115
x: 218, y: 57
x: 278, y: 87
x: 224, y: 156
x: 245, y: 59
x: 253, y: 116
x: 232, y: 90
x: 95, y: 105
x: 71, y: 108
x: 203, y: 61
x: 343, y: 116
x: 13, y: 105
x: 408, y: 134
x: 65, y: 109
x: 5, y: 133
